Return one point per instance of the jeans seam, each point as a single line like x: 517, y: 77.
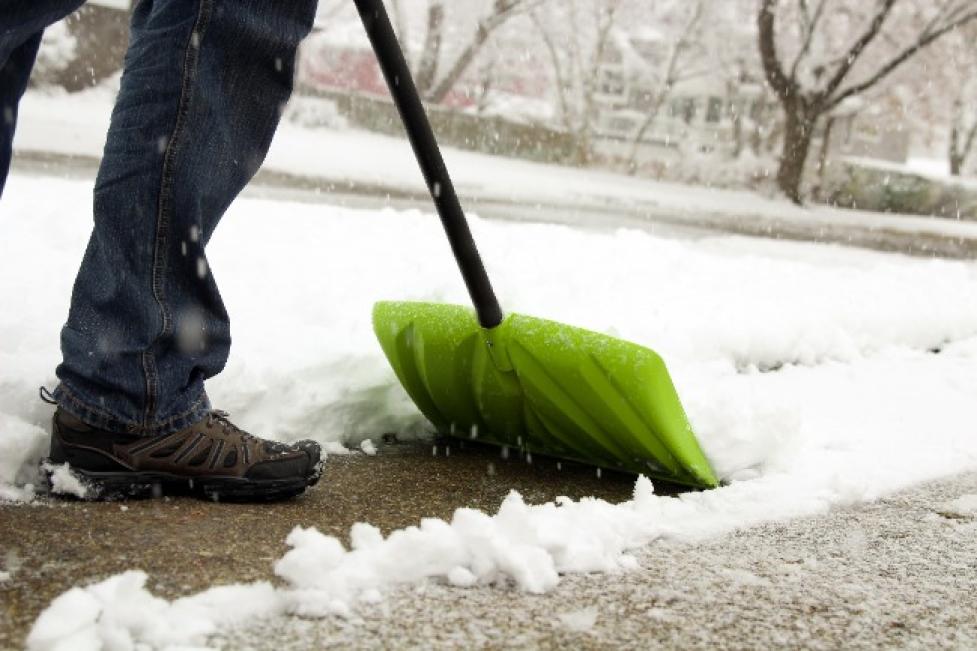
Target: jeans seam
x: 191, y: 57
x: 108, y: 418
x: 73, y: 398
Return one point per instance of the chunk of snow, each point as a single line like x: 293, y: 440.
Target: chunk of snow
x: 461, y: 577
x: 65, y: 482
x: 120, y: 613
x: 22, y: 444
x: 579, y: 621
x: 335, y: 447
x: 368, y: 448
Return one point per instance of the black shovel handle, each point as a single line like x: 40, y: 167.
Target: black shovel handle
x: 421, y: 137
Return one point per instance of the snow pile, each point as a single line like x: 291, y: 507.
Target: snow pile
x: 22, y: 444
x: 529, y: 546
x: 797, y: 363
x: 119, y: 613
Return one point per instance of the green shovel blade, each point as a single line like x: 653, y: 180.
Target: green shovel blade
x: 542, y: 387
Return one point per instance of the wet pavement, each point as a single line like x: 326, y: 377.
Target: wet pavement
x: 896, y: 573
x: 187, y: 545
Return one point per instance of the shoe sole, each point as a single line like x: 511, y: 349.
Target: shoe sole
x: 115, y: 486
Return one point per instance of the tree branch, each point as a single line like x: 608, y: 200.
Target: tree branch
x: 427, y: 68
x: 503, y: 11
x: 924, y: 39
x: 810, y: 28
x: 561, y: 84
x: 858, y: 47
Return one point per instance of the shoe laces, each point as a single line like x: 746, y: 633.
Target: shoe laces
x: 222, y: 418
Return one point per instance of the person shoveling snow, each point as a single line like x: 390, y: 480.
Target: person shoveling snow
x: 147, y: 325
x: 200, y: 99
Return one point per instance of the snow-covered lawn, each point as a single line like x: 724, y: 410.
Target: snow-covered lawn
x: 814, y: 376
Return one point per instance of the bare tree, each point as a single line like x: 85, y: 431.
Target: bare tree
x: 680, y: 65
x: 962, y: 69
x: 577, y: 36
x: 963, y: 133
x: 434, y: 85
x: 814, y: 82
x: 427, y: 67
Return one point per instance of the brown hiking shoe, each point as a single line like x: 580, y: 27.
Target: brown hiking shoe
x: 212, y: 458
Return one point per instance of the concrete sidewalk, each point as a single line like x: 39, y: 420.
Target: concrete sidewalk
x: 894, y: 574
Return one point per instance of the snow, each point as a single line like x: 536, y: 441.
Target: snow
x: 64, y: 482
x: 848, y: 332
x: 964, y: 506
x: 360, y: 158
x: 813, y: 375
x: 528, y: 546
x: 119, y: 613
x: 579, y: 621
x: 368, y: 448
x: 21, y: 444
x: 932, y: 169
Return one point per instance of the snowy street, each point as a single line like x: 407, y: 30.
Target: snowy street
x: 363, y: 166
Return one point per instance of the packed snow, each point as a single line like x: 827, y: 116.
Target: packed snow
x: 813, y: 376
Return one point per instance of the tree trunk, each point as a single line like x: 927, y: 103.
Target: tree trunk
x: 437, y: 95
x: 823, y: 157
x: 798, y: 130
x: 638, y: 138
x: 737, y: 130
x: 956, y: 165
x: 427, y: 68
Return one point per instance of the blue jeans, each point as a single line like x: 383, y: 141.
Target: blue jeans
x: 202, y: 92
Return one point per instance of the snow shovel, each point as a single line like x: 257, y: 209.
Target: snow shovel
x: 517, y: 381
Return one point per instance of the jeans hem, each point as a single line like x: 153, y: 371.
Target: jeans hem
x: 72, y: 402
